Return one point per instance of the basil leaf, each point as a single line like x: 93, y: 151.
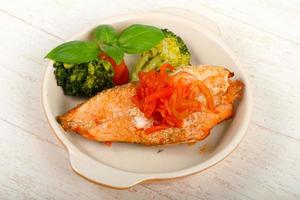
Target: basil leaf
x: 139, y: 38
x: 74, y: 52
x: 106, y: 34
x: 115, y: 52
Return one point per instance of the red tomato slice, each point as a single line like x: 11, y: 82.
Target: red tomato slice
x: 121, y: 71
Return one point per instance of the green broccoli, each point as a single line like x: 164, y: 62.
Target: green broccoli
x: 84, y: 79
x: 171, y: 49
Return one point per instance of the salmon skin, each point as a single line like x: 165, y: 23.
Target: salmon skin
x: 112, y: 116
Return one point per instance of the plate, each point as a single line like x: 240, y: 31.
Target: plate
x: 124, y: 165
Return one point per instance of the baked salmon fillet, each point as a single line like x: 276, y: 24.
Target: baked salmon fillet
x: 111, y: 115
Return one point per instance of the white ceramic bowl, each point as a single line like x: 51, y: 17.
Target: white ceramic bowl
x: 124, y: 165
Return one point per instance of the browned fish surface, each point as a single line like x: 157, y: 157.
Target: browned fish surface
x: 112, y: 116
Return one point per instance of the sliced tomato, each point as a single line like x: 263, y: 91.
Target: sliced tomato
x: 121, y: 71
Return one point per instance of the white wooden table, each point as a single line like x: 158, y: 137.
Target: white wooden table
x: 265, y: 35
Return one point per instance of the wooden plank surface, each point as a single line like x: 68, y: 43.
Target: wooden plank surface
x: 265, y: 35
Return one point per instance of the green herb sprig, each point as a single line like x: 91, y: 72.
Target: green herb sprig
x: 134, y: 39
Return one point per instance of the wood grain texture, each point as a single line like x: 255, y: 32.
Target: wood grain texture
x: 265, y: 35
x: 261, y: 49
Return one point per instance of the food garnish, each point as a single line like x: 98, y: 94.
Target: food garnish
x: 121, y: 75
x: 85, y: 79
x: 134, y: 39
x: 166, y: 100
x: 107, y: 45
x: 75, y: 52
x: 171, y: 49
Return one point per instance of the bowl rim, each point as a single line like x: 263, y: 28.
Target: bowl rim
x: 74, y: 152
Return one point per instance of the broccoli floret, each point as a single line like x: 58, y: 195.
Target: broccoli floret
x: 171, y: 49
x: 84, y: 79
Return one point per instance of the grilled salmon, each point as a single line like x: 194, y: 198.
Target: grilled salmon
x: 112, y: 116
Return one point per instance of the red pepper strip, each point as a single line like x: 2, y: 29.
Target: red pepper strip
x: 166, y: 66
x: 156, y: 128
x: 168, y: 100
x: 209, y: 99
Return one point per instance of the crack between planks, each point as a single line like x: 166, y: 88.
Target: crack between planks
x: 34, y: 60
x: 30, y: 133
x: 149, y: 188
x: 275, y: 132
x: 30, y: 24
x: 24, y: 77
x: 254, y: 26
